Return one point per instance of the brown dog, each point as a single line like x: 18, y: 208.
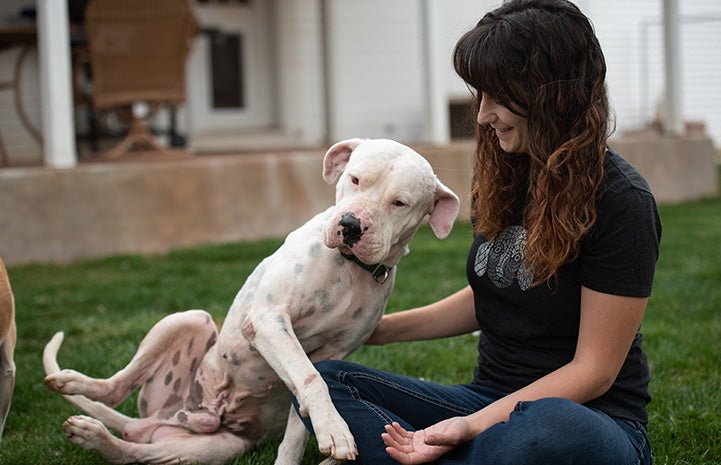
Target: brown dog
x: 8, y: 337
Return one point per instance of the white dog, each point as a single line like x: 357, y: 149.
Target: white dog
x: 208, y: 397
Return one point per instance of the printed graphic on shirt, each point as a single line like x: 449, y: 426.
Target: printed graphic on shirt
x: 502, y: 259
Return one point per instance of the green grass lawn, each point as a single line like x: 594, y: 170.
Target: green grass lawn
x: 106, y: 306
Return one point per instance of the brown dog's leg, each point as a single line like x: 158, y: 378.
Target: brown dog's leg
x: 8, y: 338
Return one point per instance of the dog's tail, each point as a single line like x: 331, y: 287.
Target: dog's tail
x: 110, y: 417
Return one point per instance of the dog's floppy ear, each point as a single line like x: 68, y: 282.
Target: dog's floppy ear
x: 337, y: 157
x: 444, y: 211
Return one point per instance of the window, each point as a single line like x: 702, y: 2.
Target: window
x: 226, y: 63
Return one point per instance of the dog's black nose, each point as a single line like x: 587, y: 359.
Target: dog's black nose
x: 351, y: 229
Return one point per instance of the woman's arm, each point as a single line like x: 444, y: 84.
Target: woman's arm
x: 451, y: 316
x: 607, y: 328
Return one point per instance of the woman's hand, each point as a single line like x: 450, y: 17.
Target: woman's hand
x: 426, y: 445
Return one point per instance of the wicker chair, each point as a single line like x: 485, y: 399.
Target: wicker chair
x: 138, y: 50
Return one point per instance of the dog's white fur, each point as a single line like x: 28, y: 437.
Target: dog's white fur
x: 207, y: 401
x: 8, y: 338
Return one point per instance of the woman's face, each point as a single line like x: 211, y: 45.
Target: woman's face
x: 511, y: 129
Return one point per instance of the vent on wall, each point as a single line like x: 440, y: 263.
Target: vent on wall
x: 462, y: 119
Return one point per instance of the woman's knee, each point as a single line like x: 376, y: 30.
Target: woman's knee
x: 554, y: 430
x: 555, y: 417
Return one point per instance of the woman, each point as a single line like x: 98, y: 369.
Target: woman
x: 566, y: 238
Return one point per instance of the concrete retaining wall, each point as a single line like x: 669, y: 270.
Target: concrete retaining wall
x: 152, y: 207
x: 678, y: 169
x: 101, y: 209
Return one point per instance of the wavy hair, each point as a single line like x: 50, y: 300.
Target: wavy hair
x: 541, y: 60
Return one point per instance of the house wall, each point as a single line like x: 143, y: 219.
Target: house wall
x: 631, y: 35
x: 459, y: 16
x: 375, y: 63
x: 373, y: 83
x: 301, y: 80
x: 701, y: 45
x: 635, y: 75
x: 18, y: 143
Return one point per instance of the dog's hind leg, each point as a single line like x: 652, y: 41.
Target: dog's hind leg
x: 112, y: 418
x: 169, y: 446
x: 159, y: 352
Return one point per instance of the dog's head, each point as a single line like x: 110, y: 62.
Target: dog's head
x: 384, y: 191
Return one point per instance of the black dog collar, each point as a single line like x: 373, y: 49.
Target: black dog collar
x: 378, y: 271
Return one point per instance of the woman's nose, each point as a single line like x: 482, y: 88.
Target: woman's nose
x: 486, y: 113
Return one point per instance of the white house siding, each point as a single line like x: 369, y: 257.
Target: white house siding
x: 300, y: 77
x: 375, y: 68
x: 619, y: 29
x: 459, y: 16
x: 635, y: 61
x: 632, y: 37
x: 375, y: 64
x: 617, y: 24
x: 18, y: 142
x: 701, y: 58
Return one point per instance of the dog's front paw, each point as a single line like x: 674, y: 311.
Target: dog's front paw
x: 335, y: 439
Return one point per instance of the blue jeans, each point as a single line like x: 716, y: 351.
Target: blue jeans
x: 547, y: 431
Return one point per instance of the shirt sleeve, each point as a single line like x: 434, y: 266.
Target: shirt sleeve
x: 620, y: 254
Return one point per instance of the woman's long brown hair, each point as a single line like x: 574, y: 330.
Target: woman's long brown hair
x: 541, y: 59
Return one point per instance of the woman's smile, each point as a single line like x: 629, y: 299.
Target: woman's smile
x: 511, y: 129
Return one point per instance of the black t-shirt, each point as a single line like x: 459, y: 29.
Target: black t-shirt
x: 528, y: 332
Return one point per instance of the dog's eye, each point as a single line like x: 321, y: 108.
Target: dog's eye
x: 354, y: 180
x: 399, y: 203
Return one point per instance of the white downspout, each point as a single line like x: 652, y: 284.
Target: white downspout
x: 326, y: 52
x: 672, y: 69
x: 437, y: 122
x: 56, y: 91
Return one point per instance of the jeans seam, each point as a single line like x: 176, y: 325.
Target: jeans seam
x: 641, y: 439
x: 409, y: 392
x: 356, y: 395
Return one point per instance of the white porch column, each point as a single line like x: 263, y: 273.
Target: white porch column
x: 437, y: 119
x: 56, y: 92
x: 672, y: 68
